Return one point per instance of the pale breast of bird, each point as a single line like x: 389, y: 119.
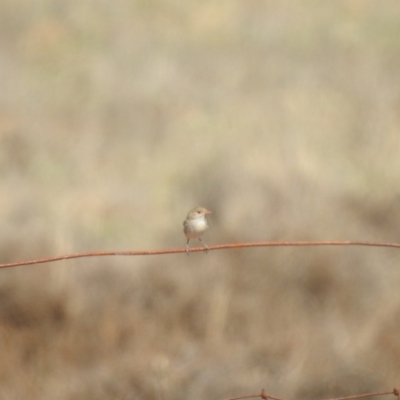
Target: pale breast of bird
x: 195, y: 228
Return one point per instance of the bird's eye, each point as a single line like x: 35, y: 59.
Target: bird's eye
x: 198, y: 212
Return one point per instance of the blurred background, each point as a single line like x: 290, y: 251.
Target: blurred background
x: 118, y: 117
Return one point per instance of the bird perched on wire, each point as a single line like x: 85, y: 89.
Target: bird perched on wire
x: 195, y: 225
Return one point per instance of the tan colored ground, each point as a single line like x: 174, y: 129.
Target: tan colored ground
x: 117, y: 117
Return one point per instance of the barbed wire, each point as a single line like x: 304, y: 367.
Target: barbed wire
x: 264, y: 395
x: 197, y: 249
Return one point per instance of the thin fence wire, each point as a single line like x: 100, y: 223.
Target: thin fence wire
x: 264, y: 395
x: 196, y: 249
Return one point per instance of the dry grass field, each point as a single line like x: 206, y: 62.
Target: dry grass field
x: 117, y: 117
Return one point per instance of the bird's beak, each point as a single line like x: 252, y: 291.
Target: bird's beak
x: 207, y: 212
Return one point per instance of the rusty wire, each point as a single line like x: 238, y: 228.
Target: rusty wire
x: 264, y: 395
x: 196, y: 249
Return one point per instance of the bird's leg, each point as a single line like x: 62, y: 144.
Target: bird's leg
x: 187, y: 247
x: 205, y: 246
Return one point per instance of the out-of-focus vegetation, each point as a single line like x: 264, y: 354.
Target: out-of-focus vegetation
x: 117, y: 117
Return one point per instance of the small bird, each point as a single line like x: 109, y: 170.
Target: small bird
x: 195, y: 225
